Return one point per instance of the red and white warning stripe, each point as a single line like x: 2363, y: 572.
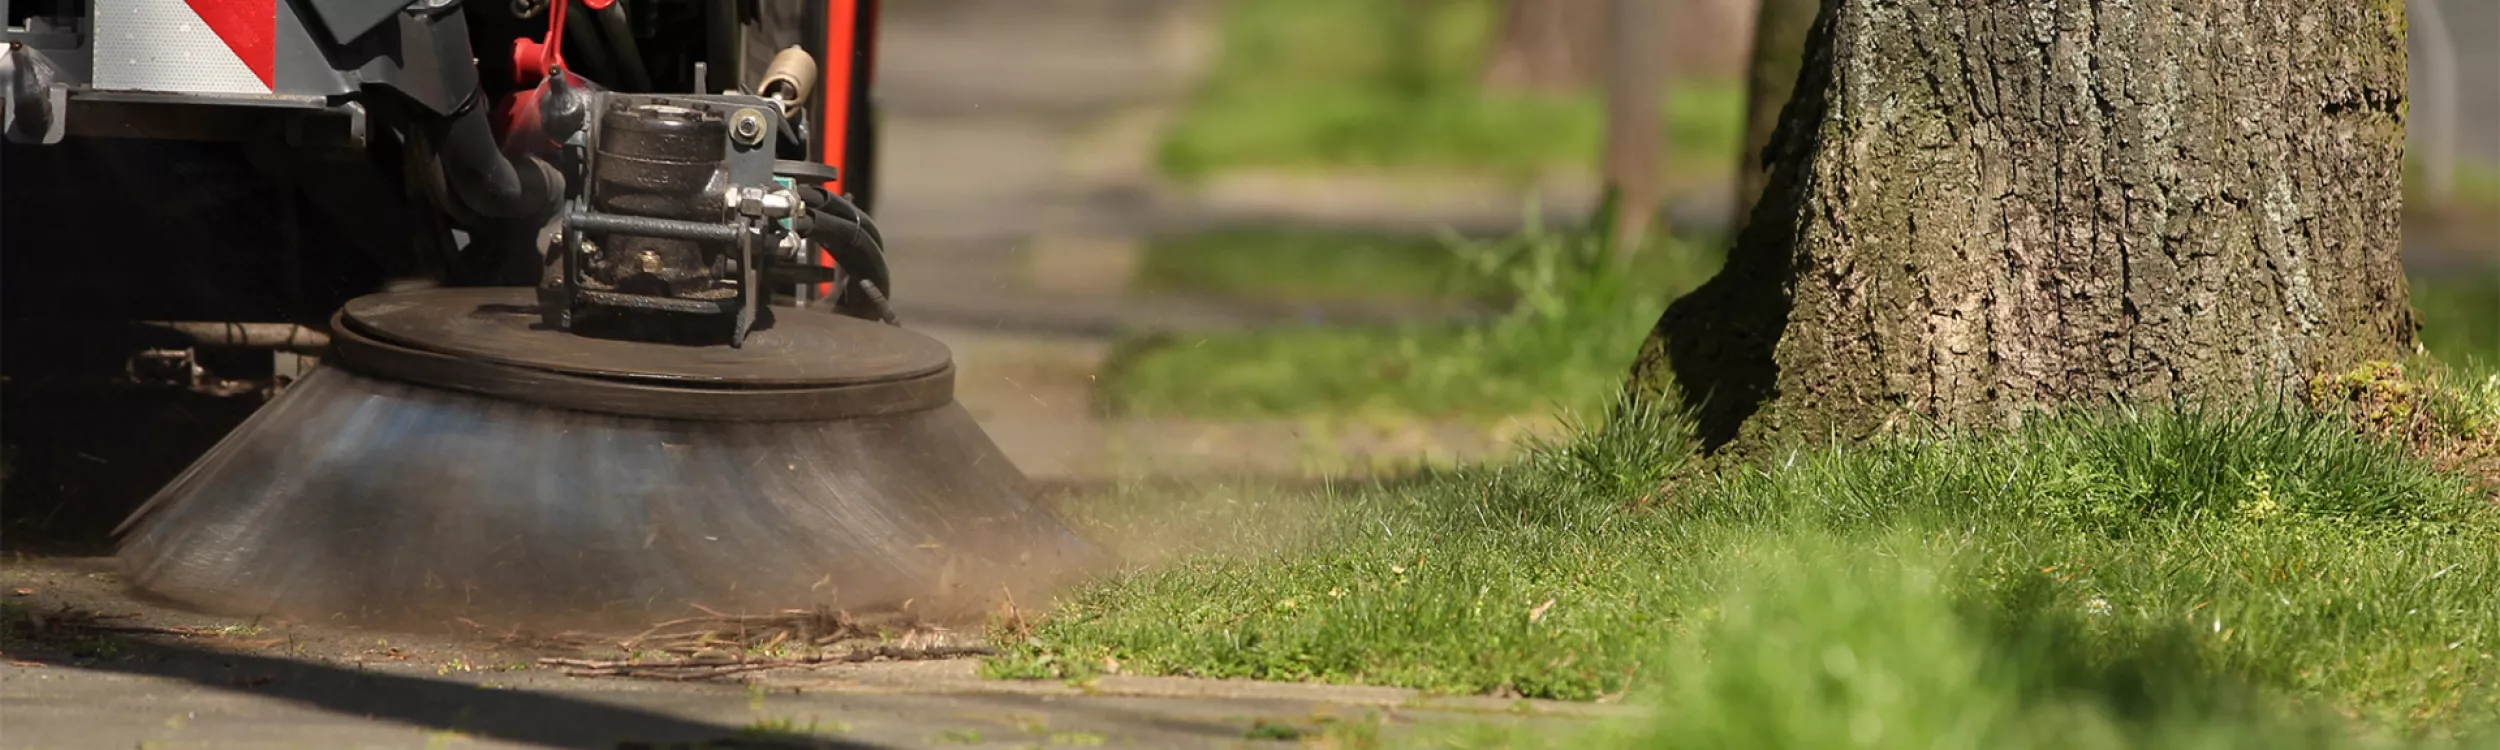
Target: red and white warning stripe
x: 187, y: 46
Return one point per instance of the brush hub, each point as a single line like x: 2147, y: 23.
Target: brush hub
x: 799, y: 366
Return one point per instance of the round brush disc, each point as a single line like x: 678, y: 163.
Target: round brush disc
x: 464, y: 464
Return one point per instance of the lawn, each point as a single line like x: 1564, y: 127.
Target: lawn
x: 1568, y: 326
x: 2256, y: 578
x: 2460, y: 317
x: 1330, y: 84
x: 1313, y: 267
x: 2261, y: 577
x: 2264, y: 576
x: 1570, y: 319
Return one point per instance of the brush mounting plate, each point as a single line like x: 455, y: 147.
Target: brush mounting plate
x: 493, y: 341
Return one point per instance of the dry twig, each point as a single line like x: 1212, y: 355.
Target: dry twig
x: 74, y: 620
x: 793, y: 628
x: 690, y: 669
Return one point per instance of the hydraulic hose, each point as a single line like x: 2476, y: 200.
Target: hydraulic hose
x: 437, y: 71
x: 475, y: 168
x: 854, y: 248
x: 819, y: 199
x: 624, y: 53
x: 586, y: 48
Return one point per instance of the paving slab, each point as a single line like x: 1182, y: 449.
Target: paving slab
x: 152, y: 676
x: 168, y: 696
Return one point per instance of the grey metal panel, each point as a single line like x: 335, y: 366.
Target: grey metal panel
x: 302, y: 69
x: 423, y: 55
x: 346, y: 20
x: 63, y: 42
x: 279, y: 101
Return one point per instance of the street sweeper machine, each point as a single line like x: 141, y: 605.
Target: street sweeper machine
x: 572, y: 311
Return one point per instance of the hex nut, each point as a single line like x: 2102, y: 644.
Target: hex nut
x: 747, y: 126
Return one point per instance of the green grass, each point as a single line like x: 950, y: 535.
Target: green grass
x: 1572, y: 322
x: 1310, y: 266
x: 1564, y: 341
x: 2099, y: 580
x: 1821, y: 644
x: 2476, y: 186
x: 1393, y: 85
x: 2460, y: 316
x: 1354, y: 268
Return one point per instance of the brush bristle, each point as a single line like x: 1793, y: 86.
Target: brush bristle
x: 374, y: 501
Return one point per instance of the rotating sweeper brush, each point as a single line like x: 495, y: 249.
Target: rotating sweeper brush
x: 685, y: 412
x: 460, y: 459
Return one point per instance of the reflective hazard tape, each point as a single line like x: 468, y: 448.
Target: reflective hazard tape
x: 187, y: 46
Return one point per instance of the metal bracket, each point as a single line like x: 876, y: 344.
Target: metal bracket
x: 174, y: 368
x: 32, y: 105
x: 750, y: 292
x: 341, y: 126
x: 558, y: 312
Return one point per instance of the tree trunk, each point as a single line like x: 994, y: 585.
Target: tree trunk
x: 1979, y: 209
x: 1635, y: 154
x: 1549, y: 46
x: 1779, y: 50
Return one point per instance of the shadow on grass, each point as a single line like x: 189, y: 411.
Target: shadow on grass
x: 1847, y: 642
x: 2154, y: 676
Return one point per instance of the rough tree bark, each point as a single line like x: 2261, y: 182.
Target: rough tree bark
x: 1979, y: 209
x: 1779, y: 49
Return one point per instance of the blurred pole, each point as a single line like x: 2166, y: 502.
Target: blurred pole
x: 2439, y: 157
x: 1635, y: 144
x: 1548, y: 46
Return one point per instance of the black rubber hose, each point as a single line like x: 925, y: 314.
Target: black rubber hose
x: 875, y: 304
x: 478, y: 174
x: 627, y: 55
x: 854, y: 247
x: 586, y: 47
x: 819, y: 199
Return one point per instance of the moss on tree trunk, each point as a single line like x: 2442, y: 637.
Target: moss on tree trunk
x: 1979, y: 209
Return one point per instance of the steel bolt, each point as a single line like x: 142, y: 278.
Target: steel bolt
x: 748, y: 127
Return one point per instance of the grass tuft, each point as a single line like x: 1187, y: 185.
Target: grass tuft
x: 1894, y: 642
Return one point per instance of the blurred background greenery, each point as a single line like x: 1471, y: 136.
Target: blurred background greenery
x: 1426, y: 92
x: 1402, y: 85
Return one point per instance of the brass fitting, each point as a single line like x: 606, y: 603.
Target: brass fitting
x: 788, y: 79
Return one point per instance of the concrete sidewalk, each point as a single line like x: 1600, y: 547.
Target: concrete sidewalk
x: 157, y: 677
x: 174, y: 695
